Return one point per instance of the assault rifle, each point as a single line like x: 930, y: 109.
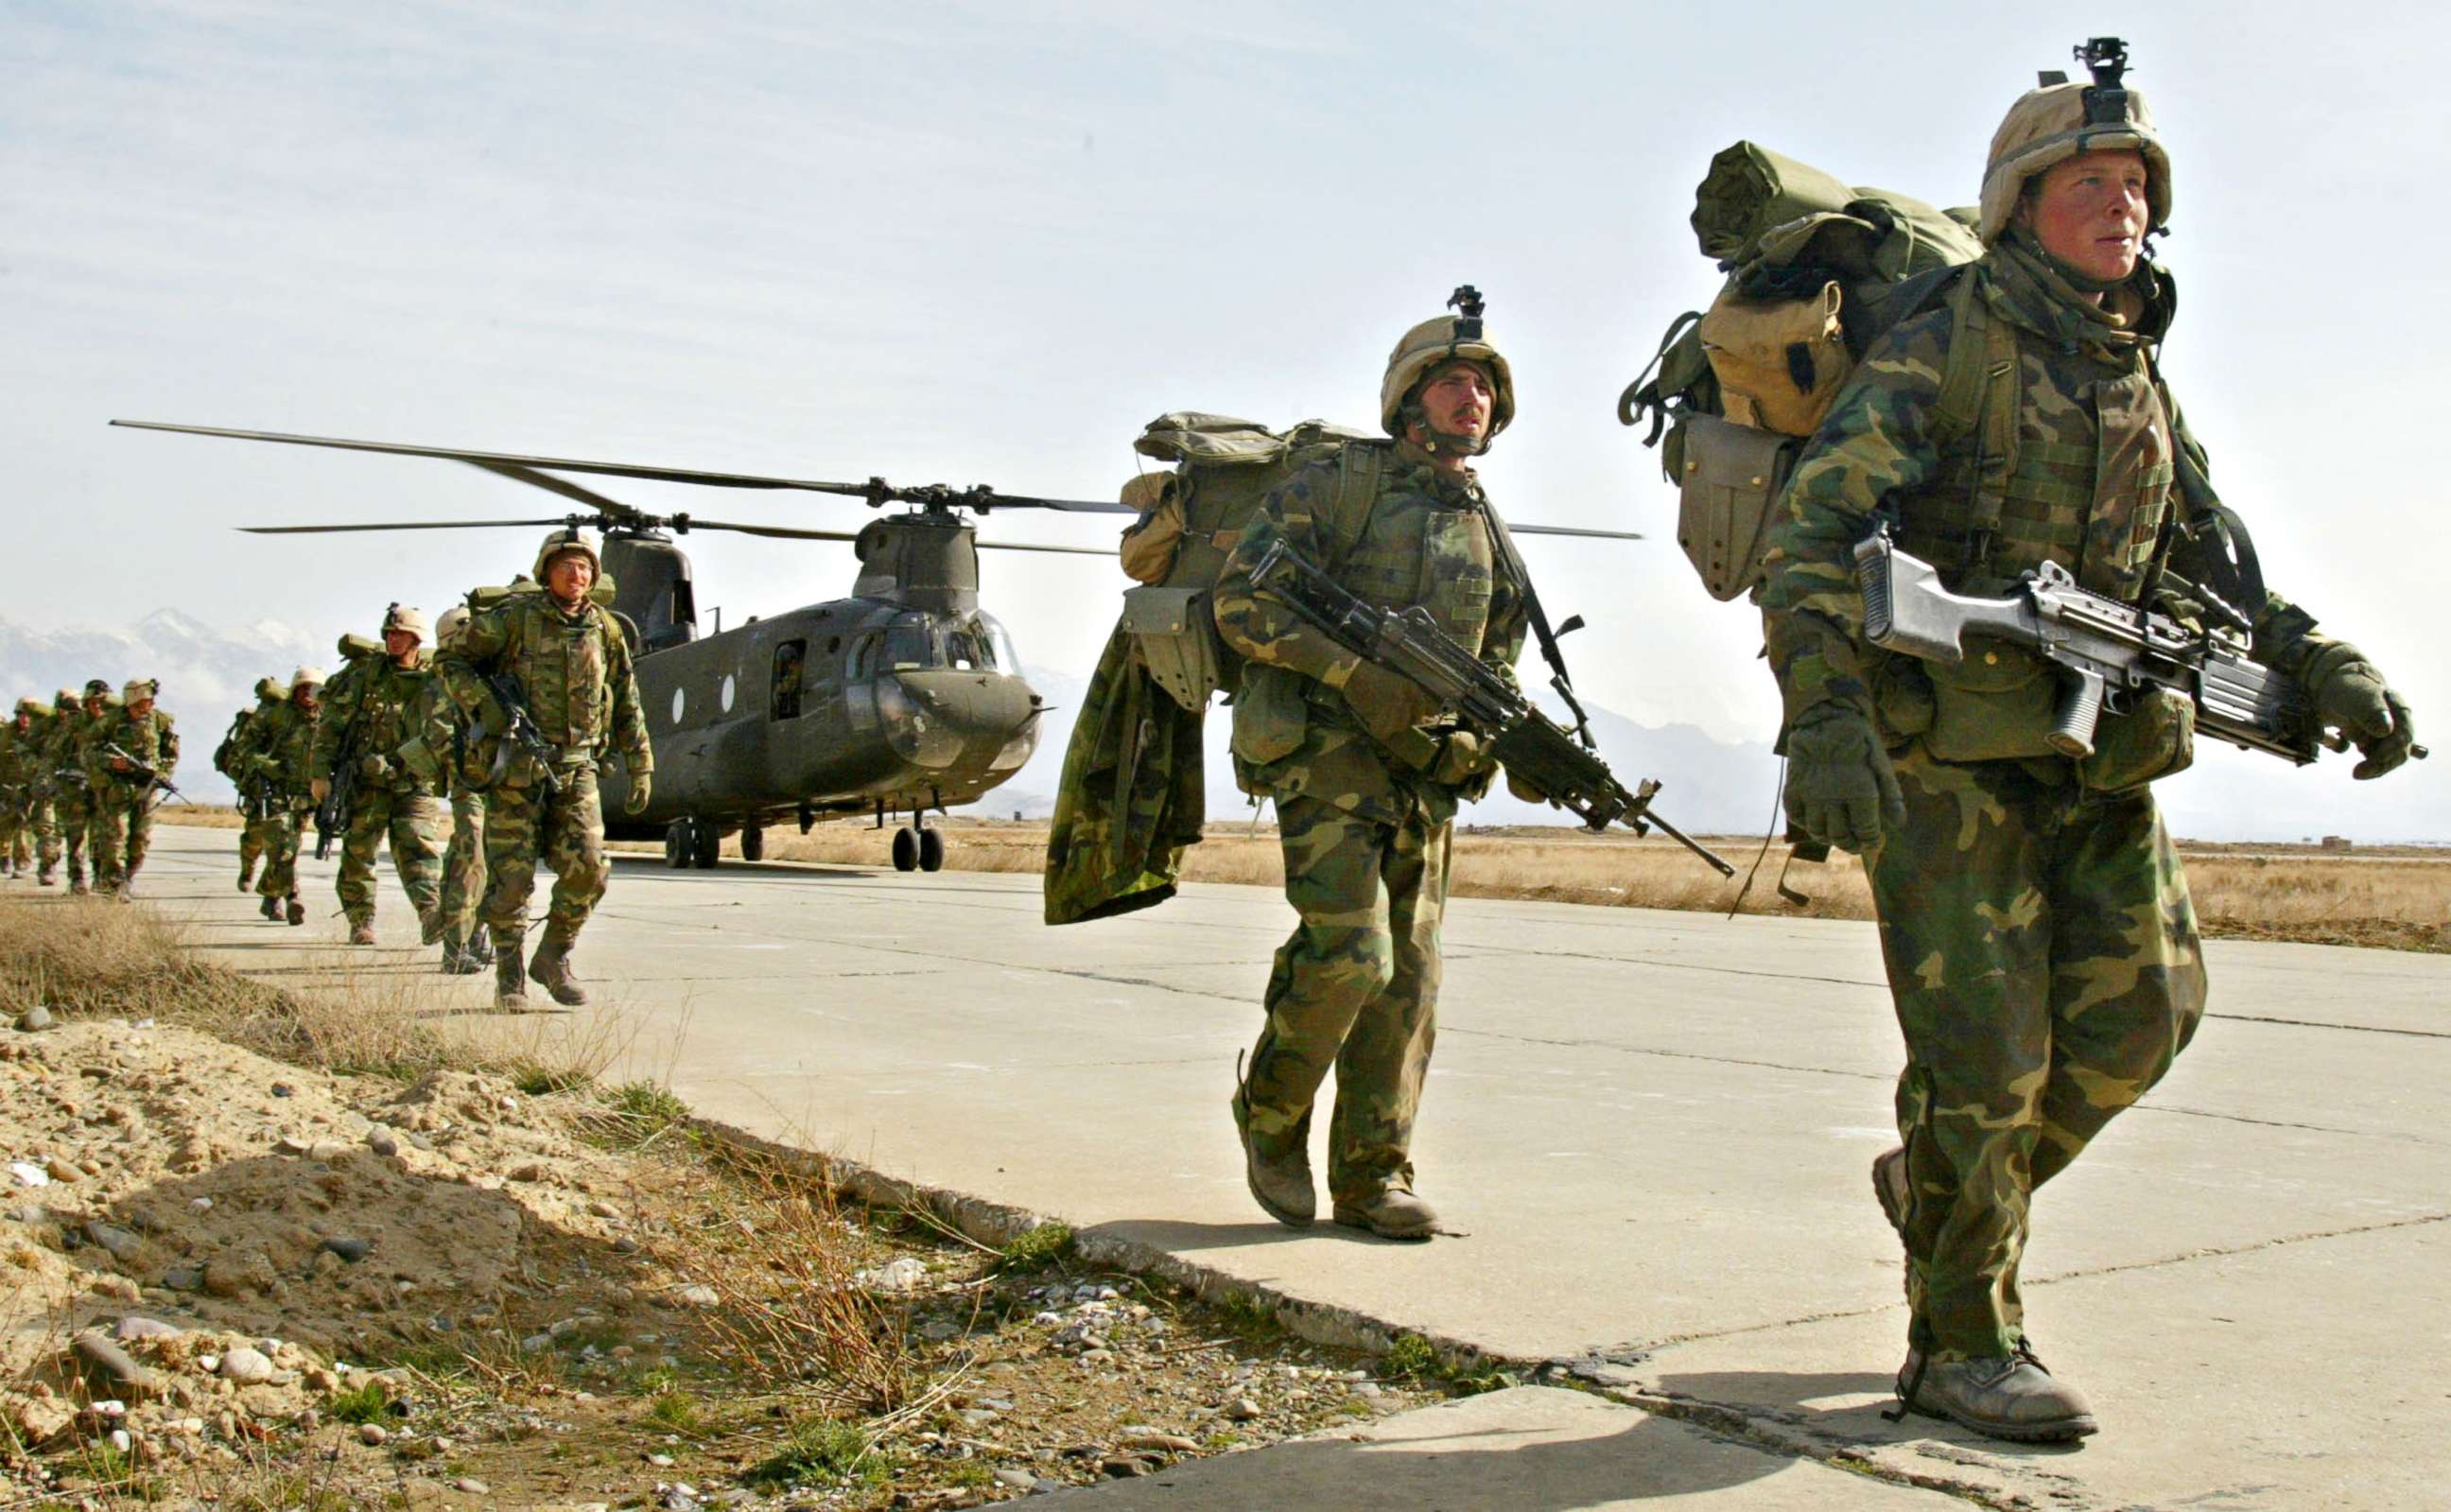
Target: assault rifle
x: 139, y: 773
x: 332, y: 814
x: 1524, y: 740
x: 520, y: 729
x: 2106, y: 652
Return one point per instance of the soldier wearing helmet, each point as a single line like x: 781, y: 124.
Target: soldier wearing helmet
x: 1366, y: 774
x: 2042, y: 952
x: 561, y: 655
x: 22, y: 743
x: 269, y: 693
x: 458, y: 759
x: 57, y: 794
x: 373, y: 702
x: 278, y: 761
x: 72, y: 751
x: 128, y: 761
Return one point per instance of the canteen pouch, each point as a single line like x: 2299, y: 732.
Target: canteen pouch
x: 1728, y: 476
x: 1149, y: 546
x: 1996, y: 705
x: 1904, y: 704
x: 1271, y: 715
x: 2155, y: 738
x: 1176, y: 637
x: 1780, y: 362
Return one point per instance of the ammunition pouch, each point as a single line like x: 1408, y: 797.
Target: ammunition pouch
x: 1271, y: 717
x: 1996, y: 705
x: 1175, y: 636
x: 1149, y: 547
x: 2155, y: 738
x: 1904, y: 705
x: 1728, y: 479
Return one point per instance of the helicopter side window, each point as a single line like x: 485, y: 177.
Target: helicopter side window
x: 1000, y: 652
x: 790, y: 662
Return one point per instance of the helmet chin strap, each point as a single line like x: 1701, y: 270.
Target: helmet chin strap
x: 1440, y: 442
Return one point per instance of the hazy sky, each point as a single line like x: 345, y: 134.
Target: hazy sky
x: 986, y: 243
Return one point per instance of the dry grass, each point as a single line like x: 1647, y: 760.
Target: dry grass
x: 202, y: 815
x: 2395, y: 900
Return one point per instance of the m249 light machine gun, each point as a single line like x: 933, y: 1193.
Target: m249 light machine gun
x: 1522, y: 738
x: 136, y: 773
x: 2106, y: 652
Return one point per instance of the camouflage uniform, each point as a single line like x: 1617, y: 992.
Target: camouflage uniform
x: 373, y: 702
x: 255, y: 835
x: 21, y: 746
x: 280, y: 757
x: 1365, y: 832
x: 573, y: 672
x: 72, y: 793
x: 51, y: 807
x: 123, y: 807
x: 2040, y: 945
x: 443, y: 751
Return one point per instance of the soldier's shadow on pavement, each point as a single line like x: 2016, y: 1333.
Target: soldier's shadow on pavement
x: 1840, y: 1408
x: 1180, y: 1234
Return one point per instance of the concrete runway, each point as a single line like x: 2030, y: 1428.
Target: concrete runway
x: 1648, y: 1132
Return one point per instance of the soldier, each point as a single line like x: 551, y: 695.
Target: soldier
x: 565, y: 657
x: 2042, y: 952
x: 373, y: 704
x: 72, y: 758
x: 53, y: 804
x: 22, y: 744
x: 227, y: 758
x: 131, y: 758
x: 279, y: 759
x: 445, y: 750
x: 1364, y: 777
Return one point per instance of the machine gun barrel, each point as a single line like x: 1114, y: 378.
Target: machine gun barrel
x: 1523, y: 739
x: 138, y: 771
x: 520, y: 730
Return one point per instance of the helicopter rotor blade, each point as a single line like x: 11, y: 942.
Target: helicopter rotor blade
x: 614, y: 510
x: 1574, y: 530
x: 1032, y: 545
x: 422, y: 524
x: 685, y: 524
x: 877, y: 491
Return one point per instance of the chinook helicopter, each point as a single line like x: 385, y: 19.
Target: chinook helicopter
x: 904, y: 699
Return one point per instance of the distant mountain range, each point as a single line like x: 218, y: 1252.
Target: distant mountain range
x: 1707, y: 785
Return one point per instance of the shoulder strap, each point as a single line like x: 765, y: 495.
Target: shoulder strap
x: 1501, y: 544
x: 1978, y: 398
x: 1360, y: 464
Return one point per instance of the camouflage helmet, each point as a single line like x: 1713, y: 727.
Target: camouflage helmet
x: 306, y: 677
x: 408, y: 618
x: 2058, y: 121
x: 31, y: 708
x: 452, y: 620
x: 136, y: 690
x: 96, y: 687
x: 1432, y: 344
x: 563, y: 541
x: 65, y: 698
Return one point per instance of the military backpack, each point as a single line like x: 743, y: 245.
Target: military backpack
x: 1817, y: 270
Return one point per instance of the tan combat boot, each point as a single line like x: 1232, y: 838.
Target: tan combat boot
x: 297, y: 911
x: 247, y: 876
x: 1391, y: 1212
x: 1279, y: 1183
x: 361, y: 931
x: 551, y: 970
x: 270, y: 908
x: 510, y: 978
x: 2008, y: 1397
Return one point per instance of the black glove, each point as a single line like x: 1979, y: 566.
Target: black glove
x: 2351, y: 696
x: 1839, y: 784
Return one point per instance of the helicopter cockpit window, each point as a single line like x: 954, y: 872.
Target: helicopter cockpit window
x: 910, y: 644
x: 791, y: 660
x: 1000, y: 648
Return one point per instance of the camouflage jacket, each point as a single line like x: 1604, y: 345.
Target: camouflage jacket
x: 233, y: 749
x: 1423, y: 538
x: 281, y: 751
x: 574, y: 668
x: 25, y: 743
x: 79, y: 747
x: 152, y: 740
x: 445, y: 745
x: 371, y: 707
x: 2098, y: 440
x: 60, y: 759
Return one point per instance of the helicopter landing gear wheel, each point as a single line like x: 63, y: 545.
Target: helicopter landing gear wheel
x: 905, y: 849
x: 932, y: 850
x: 676, y: 844
x: 752, y: 842
x: 706, y: 843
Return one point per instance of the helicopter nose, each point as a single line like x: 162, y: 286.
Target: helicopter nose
x: 938, y: 720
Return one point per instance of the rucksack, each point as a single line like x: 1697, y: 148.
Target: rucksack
x: 1817, y: 272
x: 1223, y: 468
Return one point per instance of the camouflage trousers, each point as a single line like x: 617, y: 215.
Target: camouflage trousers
x: 2042, y: 958
x: 17, y: 832
x: 42, y: 817
x: 252, y: 837
x: 1355, y: 987
x: 121, y: 834
x: 413, y: 822
x: 281, y: 832
x: 75, y: 821
x: 464, y: 869
x: 567, y: 833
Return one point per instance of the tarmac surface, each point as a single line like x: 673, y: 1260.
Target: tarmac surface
x: 1647, y: 1134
